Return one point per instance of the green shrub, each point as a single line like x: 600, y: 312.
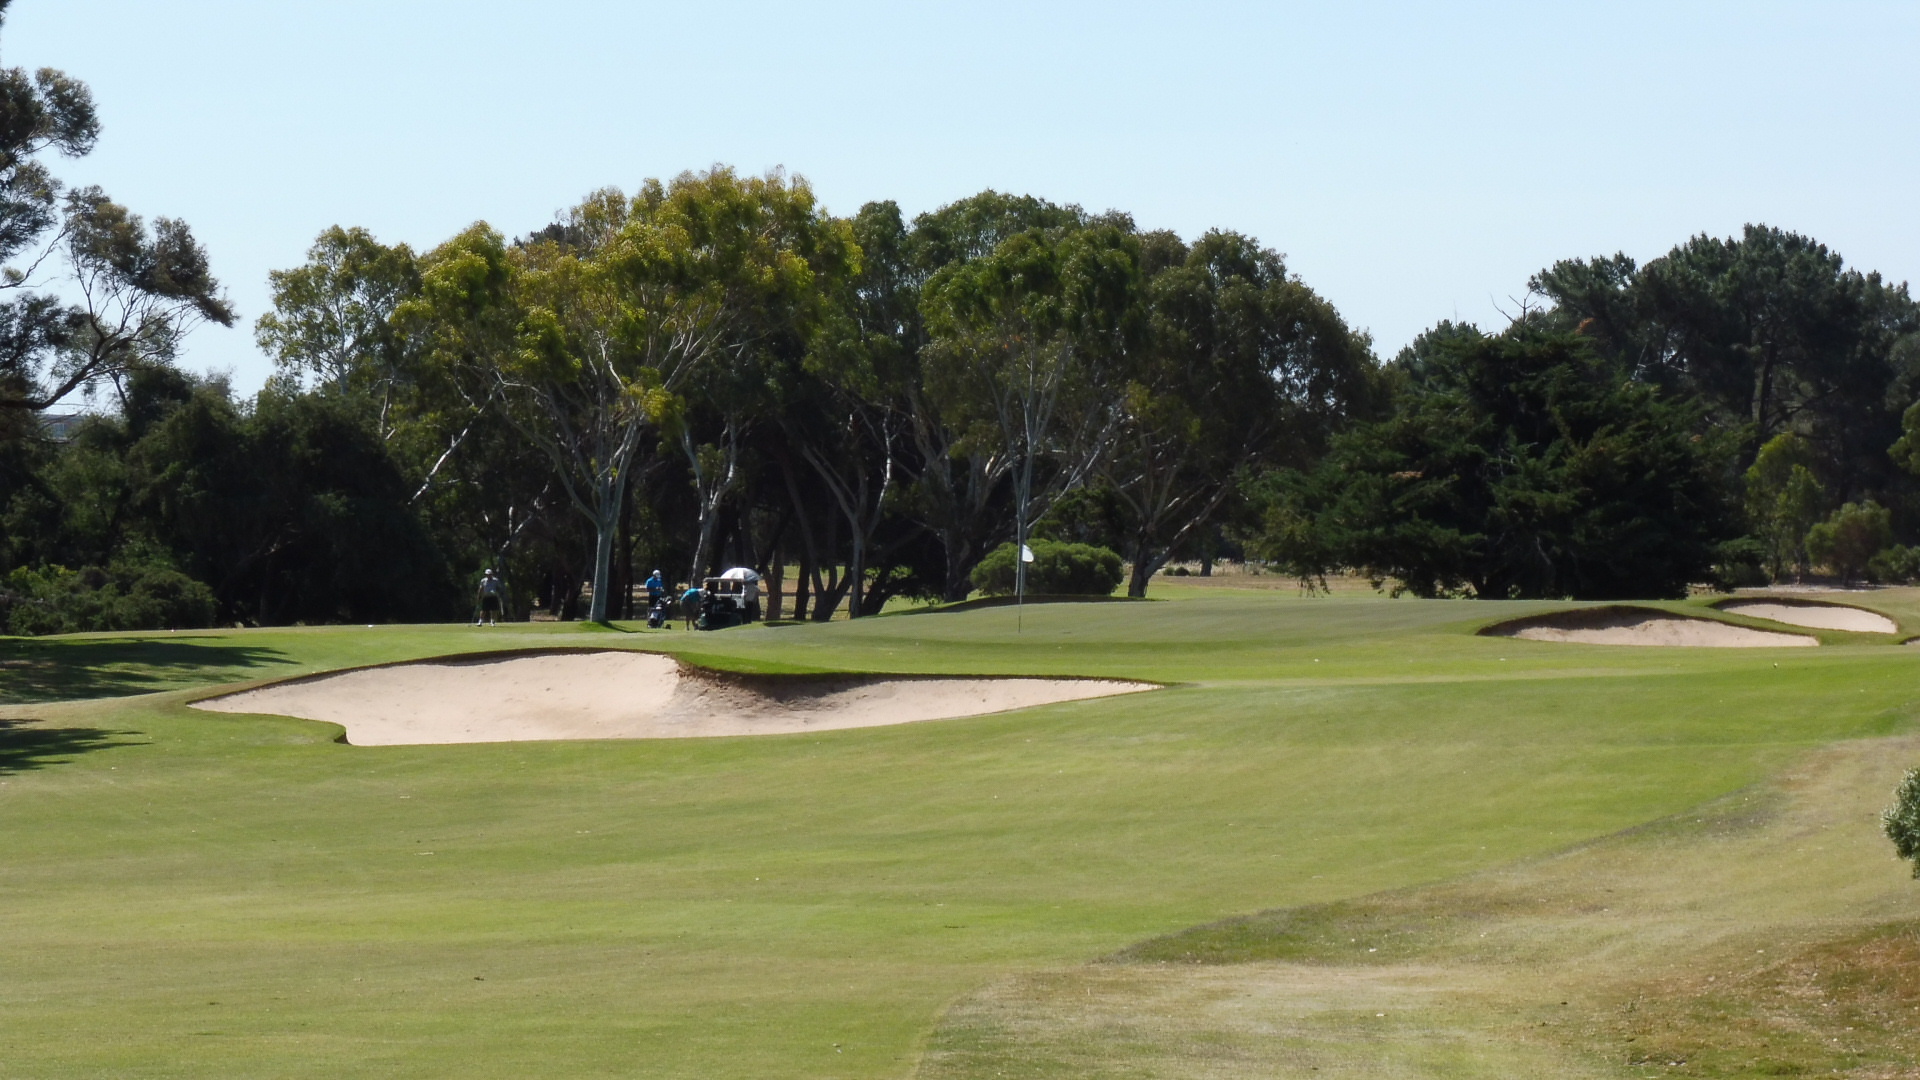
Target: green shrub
x: 1740, y: 564
x: 1849, y: 539
x: 132, y: 594
x: 1897, y: 565
x: 1902, y: 820
x: 1059, y: 569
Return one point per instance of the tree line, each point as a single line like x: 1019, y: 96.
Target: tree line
x: 715, y: 370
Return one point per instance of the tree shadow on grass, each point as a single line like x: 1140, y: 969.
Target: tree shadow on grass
x: 25, y: 746
x: 37, y: 670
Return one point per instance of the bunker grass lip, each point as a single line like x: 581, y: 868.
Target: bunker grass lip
x: 1625, y: 624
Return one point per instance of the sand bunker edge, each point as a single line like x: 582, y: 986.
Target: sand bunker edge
x: 1643, y: 627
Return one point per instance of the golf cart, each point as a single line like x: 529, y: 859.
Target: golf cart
x: 731, y: 599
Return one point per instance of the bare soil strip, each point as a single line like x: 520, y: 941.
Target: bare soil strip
x: 1644, y: 626
x: 626, y: 695
x: 1817, y: 616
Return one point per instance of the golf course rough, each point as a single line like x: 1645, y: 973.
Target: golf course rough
x: 194, y: 894
x: 623, y: 694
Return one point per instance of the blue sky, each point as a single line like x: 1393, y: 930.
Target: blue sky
x: 1415, y: 162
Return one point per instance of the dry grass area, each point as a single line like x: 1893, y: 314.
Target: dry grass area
x: 1771, y: 933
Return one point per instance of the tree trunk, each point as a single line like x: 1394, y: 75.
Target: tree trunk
x: 800, y: 593
x: 776, y: 577
x: 1145, y: 564
x: 856, y: 575
x: 608, y: 499
x: 1765, y: 397
x: 602, y: 573
x: 626, y: 559
x: 958, y: 551
x: 1137, y: 580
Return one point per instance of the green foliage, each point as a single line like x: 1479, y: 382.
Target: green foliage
x: 47, y: 111
x: 1906, y: 449
x: 1898, y: 564
x: 1243, y: 367
x: 714, y: 368
x: 1901, y: 821
x: 130, y: 594
x: 1740, y: 563
x: 1514, y: 466
x: 1769, y: 330
x: 332, y: 317
x: 1057, y: 569
x: 290, y: 511
x: 1783, y: 500
x: 1849, y: 539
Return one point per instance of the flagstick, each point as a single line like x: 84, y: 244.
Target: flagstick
x: 1020, y: 559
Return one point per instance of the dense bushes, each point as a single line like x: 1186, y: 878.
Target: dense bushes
x: 1518, y: 465
x: 1057, y: 569
x: 1847, y: 541
x: 190, y: 509
x: 127, y: 595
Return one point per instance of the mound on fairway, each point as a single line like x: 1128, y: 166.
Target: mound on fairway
x: 1641, y: 626
x: 1815, y: 614
x: 626, y: 695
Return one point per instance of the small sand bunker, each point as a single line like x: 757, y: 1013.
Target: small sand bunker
x: 627, y: 695
x: 1816, y: 615
x: 1642, y: 626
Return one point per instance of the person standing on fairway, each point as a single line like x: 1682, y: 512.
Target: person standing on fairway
x: 488, y: 599
x: 656, y: 590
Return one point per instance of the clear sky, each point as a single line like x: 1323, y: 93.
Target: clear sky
x: 1415, y: 161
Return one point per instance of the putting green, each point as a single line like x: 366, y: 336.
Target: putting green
x: 191, y: 894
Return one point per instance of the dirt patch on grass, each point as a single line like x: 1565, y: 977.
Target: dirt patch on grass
x: 1815, y: 615
x: 627, y: 695
x: 1845, y: 1007
x: 1643, y: 626
x: 1767, y: 933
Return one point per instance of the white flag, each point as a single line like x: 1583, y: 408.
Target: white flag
x: 1026, y: 553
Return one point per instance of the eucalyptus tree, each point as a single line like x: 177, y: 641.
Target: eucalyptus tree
x: 594, y: 333
x: 332, y: 317
x: 125, y: 294
x: 576, y: 386
x: 974, y: 227
x: 1025, y: 344
x: 1244, y: 367
x: 767, y: 257
x: 850, y: 413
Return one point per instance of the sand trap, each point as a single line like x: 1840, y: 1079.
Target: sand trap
x: 1642, y: 626
x: 1816, y: 615
x: 627, y: 695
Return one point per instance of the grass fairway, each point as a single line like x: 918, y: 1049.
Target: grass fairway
x: 185, y: 894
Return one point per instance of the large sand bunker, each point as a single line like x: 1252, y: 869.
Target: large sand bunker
x: 1814, y: 614
x: 1642, y: 626
x: 627, y: 695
